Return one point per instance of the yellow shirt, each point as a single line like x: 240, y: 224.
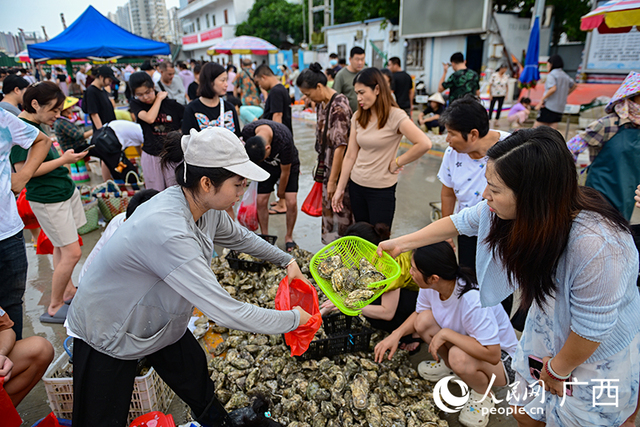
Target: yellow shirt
x: 404, y: 280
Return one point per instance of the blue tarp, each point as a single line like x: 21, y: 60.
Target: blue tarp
x: 94, y: 35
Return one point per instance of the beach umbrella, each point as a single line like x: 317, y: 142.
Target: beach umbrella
x: 23, y: 56
x: 530, y: 74
x: 616, y: 16
x: 243, y: 45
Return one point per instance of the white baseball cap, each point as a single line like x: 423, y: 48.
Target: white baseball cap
x: 218, y: 147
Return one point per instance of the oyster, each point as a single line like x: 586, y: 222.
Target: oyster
x: 368, y: 278
x: 360, y: 392
x: 358, y: 296
x: 328, y: 266
x: 366, y: 266
x: 344, y: 279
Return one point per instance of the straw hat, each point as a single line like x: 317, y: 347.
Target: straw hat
x: 436, y: 97
x: 69, y: 102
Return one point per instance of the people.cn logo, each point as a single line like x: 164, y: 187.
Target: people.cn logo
x: 446, y: 401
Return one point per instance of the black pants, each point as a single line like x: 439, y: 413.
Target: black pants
x: 500, y: 101
x: 467, y: 258
x: 406, y: 307
x: 102, y: 385
x: 373, y: 205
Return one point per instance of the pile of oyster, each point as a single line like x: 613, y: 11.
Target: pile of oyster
x: 345, y: 390
x: 354, y: 283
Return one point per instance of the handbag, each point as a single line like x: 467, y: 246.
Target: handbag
x: 320, y: 169
x: 92, y: 213
x: 111, y: 200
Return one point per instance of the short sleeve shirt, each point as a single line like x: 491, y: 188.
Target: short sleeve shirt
x: 378, y: 148
x: 499, y: 84
x: 198, y: 116
x: 461, y: 83
x: 69, y: 135
x: 169, y: 118
x: 465, y: 176
x: 279, y: 101
x: 98, y: 103
x: 338, y: 131
x: 283, y: 150
x: 13, y: 132
x: 248, y: 89
x: 402, y: 85
x: 563, y: 83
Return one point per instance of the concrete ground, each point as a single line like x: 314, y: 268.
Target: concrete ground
x: 417, y: 186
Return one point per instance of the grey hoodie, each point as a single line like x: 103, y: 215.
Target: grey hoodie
x: 138, y: 294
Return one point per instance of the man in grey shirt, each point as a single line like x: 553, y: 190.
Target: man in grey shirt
x: 343, y: 83
x: 13, y: 88
x: 171, y: 83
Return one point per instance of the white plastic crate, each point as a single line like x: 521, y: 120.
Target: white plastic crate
x: 150, y: 393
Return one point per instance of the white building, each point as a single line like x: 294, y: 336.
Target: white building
x: 340, y: 39
x: 207, y: 22
x: 123, y: 17
x: 149, y: 19
x: 174, y: 32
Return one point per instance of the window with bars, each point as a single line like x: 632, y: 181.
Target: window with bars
x: 342, y: 51
x: 415, y: 53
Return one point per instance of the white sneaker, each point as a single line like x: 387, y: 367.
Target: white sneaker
x: 431, y: 370
x: 471, y: 414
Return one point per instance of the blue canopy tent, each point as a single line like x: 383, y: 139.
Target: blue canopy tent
x: 93, y: 35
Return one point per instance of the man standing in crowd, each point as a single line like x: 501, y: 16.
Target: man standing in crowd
x: 98, y: 105
x: 462, y: 81
x: 147, y: 67
x: 333, y: 63
x: 402, y: 85
x: 245, y: 88
x: 278, y: 105
x: 13, y: 88
x: 81, y: 78
x: 171, y: 83
x: 186, y: 75
x: 343, y: 83
x: 270, y: 145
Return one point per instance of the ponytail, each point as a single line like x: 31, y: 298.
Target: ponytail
x: 440, y: 259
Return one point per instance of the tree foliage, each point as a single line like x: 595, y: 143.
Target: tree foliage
x: 566, y: 15
x: 359, y: 10
x: 274, y: 21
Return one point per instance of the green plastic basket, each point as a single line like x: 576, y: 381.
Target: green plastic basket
x: 351, y: 249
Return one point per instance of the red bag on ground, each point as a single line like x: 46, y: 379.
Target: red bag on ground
x: 24, y: 210
x: 299, y: 293
x: 313, y: 203
x: 248, y: 210
x: 45, y: 247
x: 10, y: 417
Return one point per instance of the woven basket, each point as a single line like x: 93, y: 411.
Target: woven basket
x: 351, y: 249
x: 92, y: 212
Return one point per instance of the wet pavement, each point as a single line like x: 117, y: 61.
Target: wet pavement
x: 417, y: 186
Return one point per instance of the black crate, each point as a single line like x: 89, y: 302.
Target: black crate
x: 254, y: 266
x: 346, y: 334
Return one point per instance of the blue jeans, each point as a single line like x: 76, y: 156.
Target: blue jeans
x: 13, y: 278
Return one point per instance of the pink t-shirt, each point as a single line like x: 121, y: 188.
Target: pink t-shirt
x: 516, y: 109
x: 378, y: 148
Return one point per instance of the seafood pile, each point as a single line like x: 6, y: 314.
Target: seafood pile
x: 345, y: 390
x: 354, y: 283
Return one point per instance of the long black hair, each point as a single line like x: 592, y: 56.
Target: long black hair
x: 537, y: 166
x: 172, y: 155
x: 371, y: 233
x: 440, y: 259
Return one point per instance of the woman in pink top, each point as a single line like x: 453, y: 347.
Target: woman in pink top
x: 370, y: 166
x: 231, y: 73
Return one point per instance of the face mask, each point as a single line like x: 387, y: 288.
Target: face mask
x: 333, y: 62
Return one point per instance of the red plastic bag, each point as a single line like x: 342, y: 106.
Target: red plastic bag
x: 248, y: 210
x: 153, y: 419
x: 313, y: 203
x: 24, y: 210
x: 299, y: 293
x: 10, y: 417
x: 45, y: 247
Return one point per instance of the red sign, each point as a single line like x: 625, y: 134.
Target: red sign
x: 216, y: 33
x: 190, y: 39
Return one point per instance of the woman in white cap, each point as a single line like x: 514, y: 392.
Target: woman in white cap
x: 431, y: 114
x: 137, y: 296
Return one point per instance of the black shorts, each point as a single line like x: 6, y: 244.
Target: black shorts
x: 548, y: 116
x: 266, y: 187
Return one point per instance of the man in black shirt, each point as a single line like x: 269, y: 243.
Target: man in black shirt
x: 402, y: 84
x: 98, y: 105
x: 270, y: 145
x: 278, y: 105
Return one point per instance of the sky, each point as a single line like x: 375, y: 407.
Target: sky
x: 30, y: 15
